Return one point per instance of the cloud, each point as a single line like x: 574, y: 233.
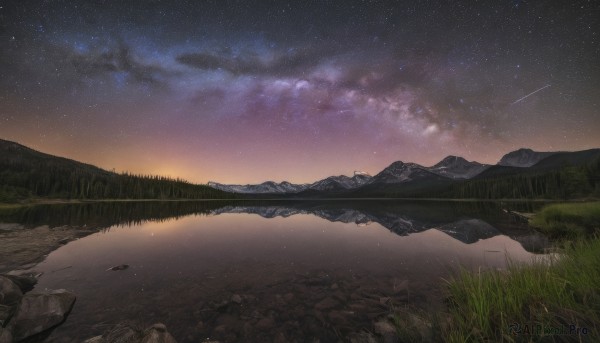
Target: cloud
x: 118, y: 58
x: 273, y: 63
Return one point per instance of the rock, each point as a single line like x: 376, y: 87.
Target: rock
x: 386, y: 330
x: 326, y: 303
x: 157, y: 333
x: 236, y: 298
x: 337, y: 318
x: 128, y: 333
x: 288, y: 297
x: 5, y: 335
x: 10, y: 293
x: 38, y: 312
x: 265, y: 324
x: 25, y: 282
x: 280, y: 338
x: 362, y: 337
x: 120, y: 333
x: 384, y: 300
x: 119, y: 267
x: 97, y: 339
x: 6, y: 312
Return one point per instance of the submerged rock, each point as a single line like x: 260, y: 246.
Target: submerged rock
x: 119, y: 267
x: 236, y: 298
x: 39, y: 312
x: 157, y: 333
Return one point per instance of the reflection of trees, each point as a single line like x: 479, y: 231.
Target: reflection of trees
x: 106, y: 214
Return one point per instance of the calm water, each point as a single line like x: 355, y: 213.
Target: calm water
x: 296, y: 271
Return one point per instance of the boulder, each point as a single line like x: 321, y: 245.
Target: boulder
x: 25, y: 282
x: 387, y: 331
x: 39, y: 312
x: 157, y: 333
x: 10, y: 294
x: 5, y: 336
x: 6, y: 312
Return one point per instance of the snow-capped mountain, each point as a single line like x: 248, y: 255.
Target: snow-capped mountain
x: 456, y: 167
x: 341, y: 182
x: 400, y: 172
x: 400, y: 176
x: 523, y: 158
x: 332, y: 183
x: 265, y: 187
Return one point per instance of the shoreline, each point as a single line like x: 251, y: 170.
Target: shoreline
x: 40, y: 201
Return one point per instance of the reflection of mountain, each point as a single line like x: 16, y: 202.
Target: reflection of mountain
x: 465, y: 230
x: 464, y: 221
x: 469, y: 230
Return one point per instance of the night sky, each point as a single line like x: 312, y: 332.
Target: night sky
x: 248, y: 91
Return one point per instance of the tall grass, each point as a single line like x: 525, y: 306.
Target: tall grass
x: 548, y: 295
x: 568, y: 220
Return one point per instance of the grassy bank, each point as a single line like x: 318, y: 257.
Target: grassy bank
x: 550, y: 300
x: 570, y: 220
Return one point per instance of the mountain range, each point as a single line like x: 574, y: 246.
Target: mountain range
x: 411, y: 176
x: 521, y: 174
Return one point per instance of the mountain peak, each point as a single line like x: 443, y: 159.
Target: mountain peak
x: 451, y: 160
x: 523, y: 157
x: 358, y: 172
x: 456, y: 167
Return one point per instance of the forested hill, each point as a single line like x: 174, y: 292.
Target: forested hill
x: 26, y: 173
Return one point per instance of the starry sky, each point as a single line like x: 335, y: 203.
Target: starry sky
x: 249, y: 91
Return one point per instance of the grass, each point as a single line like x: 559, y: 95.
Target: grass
x: 570, y: 220
x: 544, y: 299
x: 548, y: 295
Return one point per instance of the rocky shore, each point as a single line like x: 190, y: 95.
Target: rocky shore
x: 314, y: 306
x: 24, y: 314
x: 23, y: 248
x: 27, y: 316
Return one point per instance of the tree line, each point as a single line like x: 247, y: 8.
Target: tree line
x: 55, y: 181
x: 567, y: 182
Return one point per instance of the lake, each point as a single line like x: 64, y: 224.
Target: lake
x: 270, y: 270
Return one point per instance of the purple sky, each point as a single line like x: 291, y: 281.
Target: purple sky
x: 243, y: 92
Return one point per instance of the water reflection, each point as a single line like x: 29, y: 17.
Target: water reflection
x: 296, y: 270
x: 464, y: 221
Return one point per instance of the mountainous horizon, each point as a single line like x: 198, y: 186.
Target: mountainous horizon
x: 27, y: 172
x: 452, y: 167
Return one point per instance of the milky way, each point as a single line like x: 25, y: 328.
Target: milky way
x: 243, y: 91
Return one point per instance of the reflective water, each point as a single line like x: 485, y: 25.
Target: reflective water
x: 291, y: 271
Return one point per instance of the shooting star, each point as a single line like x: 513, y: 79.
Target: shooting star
x: 530, y: 94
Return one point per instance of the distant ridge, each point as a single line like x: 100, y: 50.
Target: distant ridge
x: 453, y: 176
x: 27, y: 173
x: 524, y: 173
x: 523, y: 158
